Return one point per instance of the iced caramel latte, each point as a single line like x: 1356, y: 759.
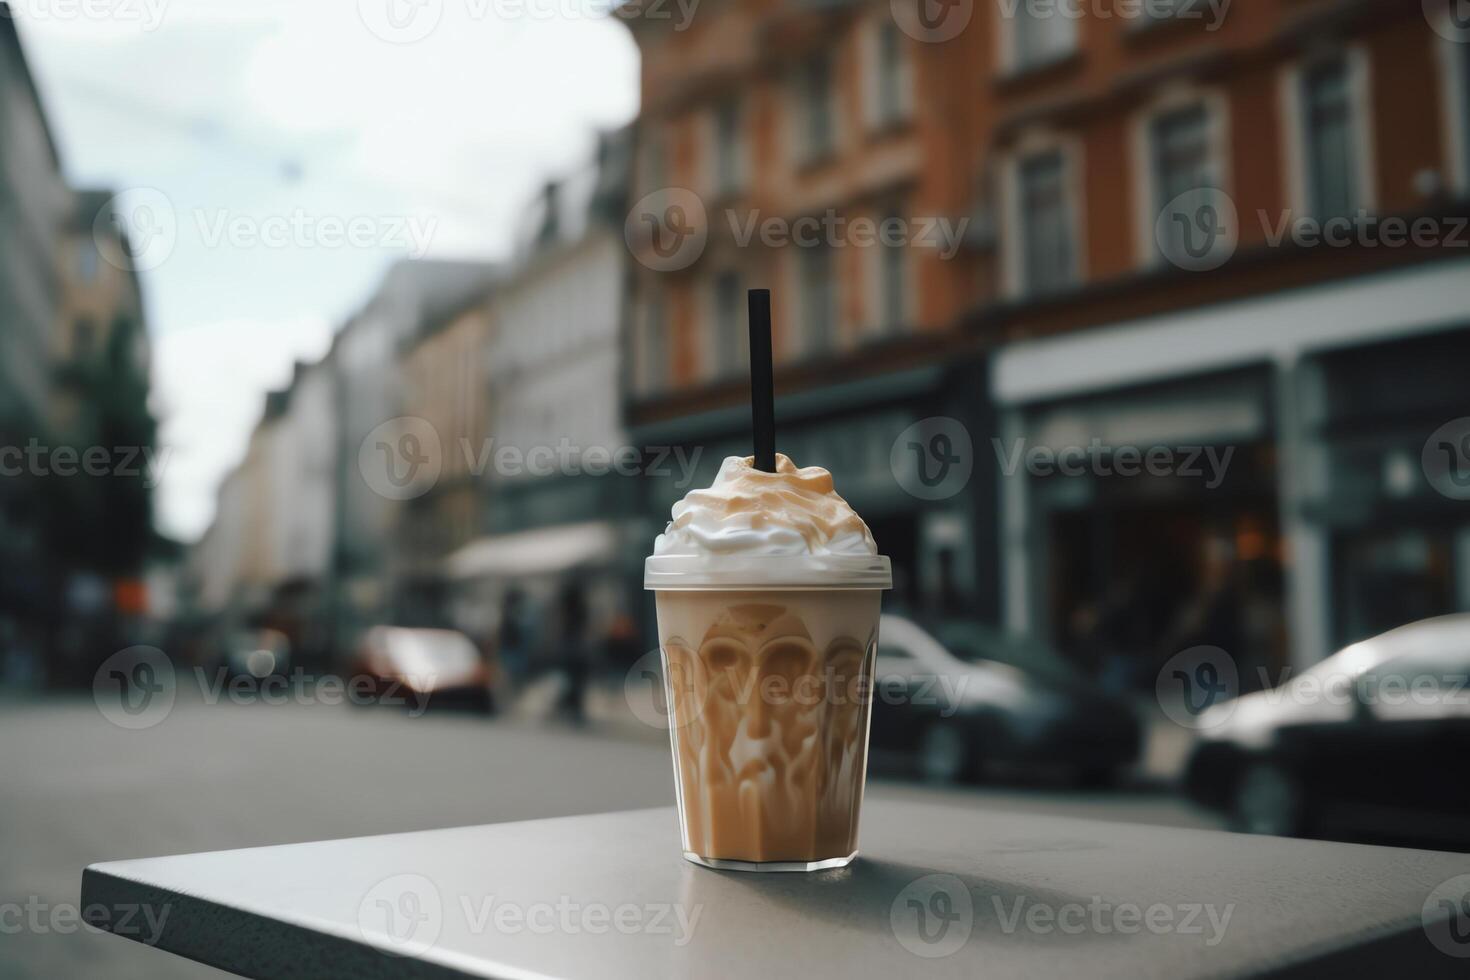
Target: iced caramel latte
x: 768, y: 591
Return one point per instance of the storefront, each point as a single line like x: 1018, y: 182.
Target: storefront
x: 1320, y: 529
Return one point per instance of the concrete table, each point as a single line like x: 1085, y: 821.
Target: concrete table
x: 938, y: 891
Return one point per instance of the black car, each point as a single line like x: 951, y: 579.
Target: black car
x: 986, y: 703
x: 1370, y: 744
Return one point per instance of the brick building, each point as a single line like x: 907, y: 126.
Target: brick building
x: 1225, y: 229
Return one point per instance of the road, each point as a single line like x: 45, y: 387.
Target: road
x: 77, y: 790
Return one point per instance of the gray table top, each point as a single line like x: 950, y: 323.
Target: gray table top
x: 938, y: 891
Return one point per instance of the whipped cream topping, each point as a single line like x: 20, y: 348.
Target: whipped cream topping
x: 793, y: 511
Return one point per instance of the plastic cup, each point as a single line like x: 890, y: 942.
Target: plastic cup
x: 768, y: 672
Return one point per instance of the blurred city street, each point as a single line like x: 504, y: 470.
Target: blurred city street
x: 80, y: 791
x: 1038, y: 407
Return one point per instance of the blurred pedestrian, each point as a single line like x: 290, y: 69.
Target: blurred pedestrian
x: 572, y: 619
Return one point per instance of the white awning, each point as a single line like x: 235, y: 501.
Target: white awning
x: 1260, y: 329
x: 539, y: 552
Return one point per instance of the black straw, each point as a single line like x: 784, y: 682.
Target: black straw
x: 762, y: 385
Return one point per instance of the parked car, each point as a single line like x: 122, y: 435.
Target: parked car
x: 965, y: 711
x: 1369, y: 744
x: 425, y: 668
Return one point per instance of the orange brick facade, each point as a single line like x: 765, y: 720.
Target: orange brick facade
x: 951, y: 156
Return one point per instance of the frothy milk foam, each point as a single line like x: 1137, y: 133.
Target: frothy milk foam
x: 769, y: 687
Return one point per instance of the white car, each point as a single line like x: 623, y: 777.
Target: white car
x: 1004, y: 704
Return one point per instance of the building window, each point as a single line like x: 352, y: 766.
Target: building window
x: 1047, y: 253
x: 1330, y: 140
x: 818, y: 121
x: 818, y: 298
x: 889, y: 99
x: 727, y: 144
x: 892, y: 280
x: 653, y: 347
x: 1462, y: 81
x: 87, y: 259
x: 1038, y: 34
x: 655, y: 173
x: 728, y: 345
x: 1183, y: 156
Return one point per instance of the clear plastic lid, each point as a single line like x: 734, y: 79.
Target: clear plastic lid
x: 784, y: 572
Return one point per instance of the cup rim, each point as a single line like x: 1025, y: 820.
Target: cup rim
x: 786, y: 573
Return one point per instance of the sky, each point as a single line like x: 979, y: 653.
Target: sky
x: 277, y: 155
